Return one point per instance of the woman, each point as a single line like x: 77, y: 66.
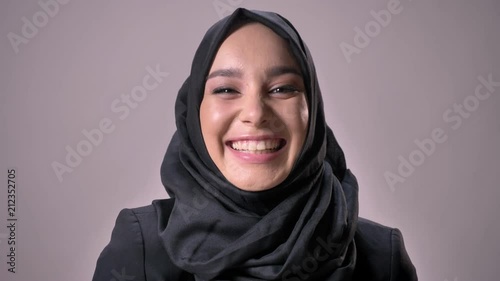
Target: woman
x: 259, y: 185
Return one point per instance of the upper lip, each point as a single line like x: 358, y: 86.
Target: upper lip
x: 254, y: 138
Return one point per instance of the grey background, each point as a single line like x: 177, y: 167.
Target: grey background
x: 393, y: 92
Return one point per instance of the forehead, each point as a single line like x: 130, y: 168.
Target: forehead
x: 254, y: 42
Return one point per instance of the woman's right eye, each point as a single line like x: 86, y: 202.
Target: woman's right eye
x: 224, y: 90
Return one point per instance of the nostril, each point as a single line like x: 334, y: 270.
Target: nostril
x: 255, y: 112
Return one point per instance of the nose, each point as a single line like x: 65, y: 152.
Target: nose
x: 254, y: 110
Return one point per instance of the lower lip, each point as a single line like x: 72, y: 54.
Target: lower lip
x: 255, y: 158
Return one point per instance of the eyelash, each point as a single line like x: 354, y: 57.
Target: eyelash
x: 284, y: 89
x: 278, y: 90
x: 223, y: 90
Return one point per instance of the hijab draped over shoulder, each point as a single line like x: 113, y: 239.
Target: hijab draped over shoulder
x: 302, y: 229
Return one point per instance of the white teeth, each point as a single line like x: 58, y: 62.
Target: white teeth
x: 261, y: 145
x: 252, y: 146
x: 255, y: 146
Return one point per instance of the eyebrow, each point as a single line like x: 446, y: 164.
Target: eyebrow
x: 284, y: 69
x: 238, y: 73
x: 226, y: 72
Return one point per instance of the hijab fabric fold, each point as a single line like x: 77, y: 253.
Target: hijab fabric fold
x: 302, y: 229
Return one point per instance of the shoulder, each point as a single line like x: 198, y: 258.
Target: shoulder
x: 381, y: 254
x: 135, y: 249
x: 147, y: 216
x: 121, y: 256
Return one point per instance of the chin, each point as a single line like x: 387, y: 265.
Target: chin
x: 262, y: 185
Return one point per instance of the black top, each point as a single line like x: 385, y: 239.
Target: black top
x: 136, y: 253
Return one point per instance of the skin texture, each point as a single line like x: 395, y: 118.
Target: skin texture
x: 254, y: 91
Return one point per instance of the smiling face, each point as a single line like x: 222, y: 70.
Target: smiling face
x: 254, y: 113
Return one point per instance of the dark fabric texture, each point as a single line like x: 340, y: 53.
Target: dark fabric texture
x: 219, y: 232
x: 136, y: 253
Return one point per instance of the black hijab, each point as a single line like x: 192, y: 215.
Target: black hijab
x: 302, y: 229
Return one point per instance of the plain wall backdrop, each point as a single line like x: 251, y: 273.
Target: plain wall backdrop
x: 406, y: 91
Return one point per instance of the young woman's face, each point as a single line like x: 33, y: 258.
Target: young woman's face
x: 254, y: 112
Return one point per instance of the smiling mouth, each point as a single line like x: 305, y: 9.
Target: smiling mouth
x: 257, y: 146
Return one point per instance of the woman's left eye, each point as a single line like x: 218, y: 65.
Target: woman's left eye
x: 284, y: 89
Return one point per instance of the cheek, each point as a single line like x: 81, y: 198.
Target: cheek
x: 304, y: 120
x: 213, y: 121
x: 304, y: 115
x: 297, y: 118
x: 298, y: 130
